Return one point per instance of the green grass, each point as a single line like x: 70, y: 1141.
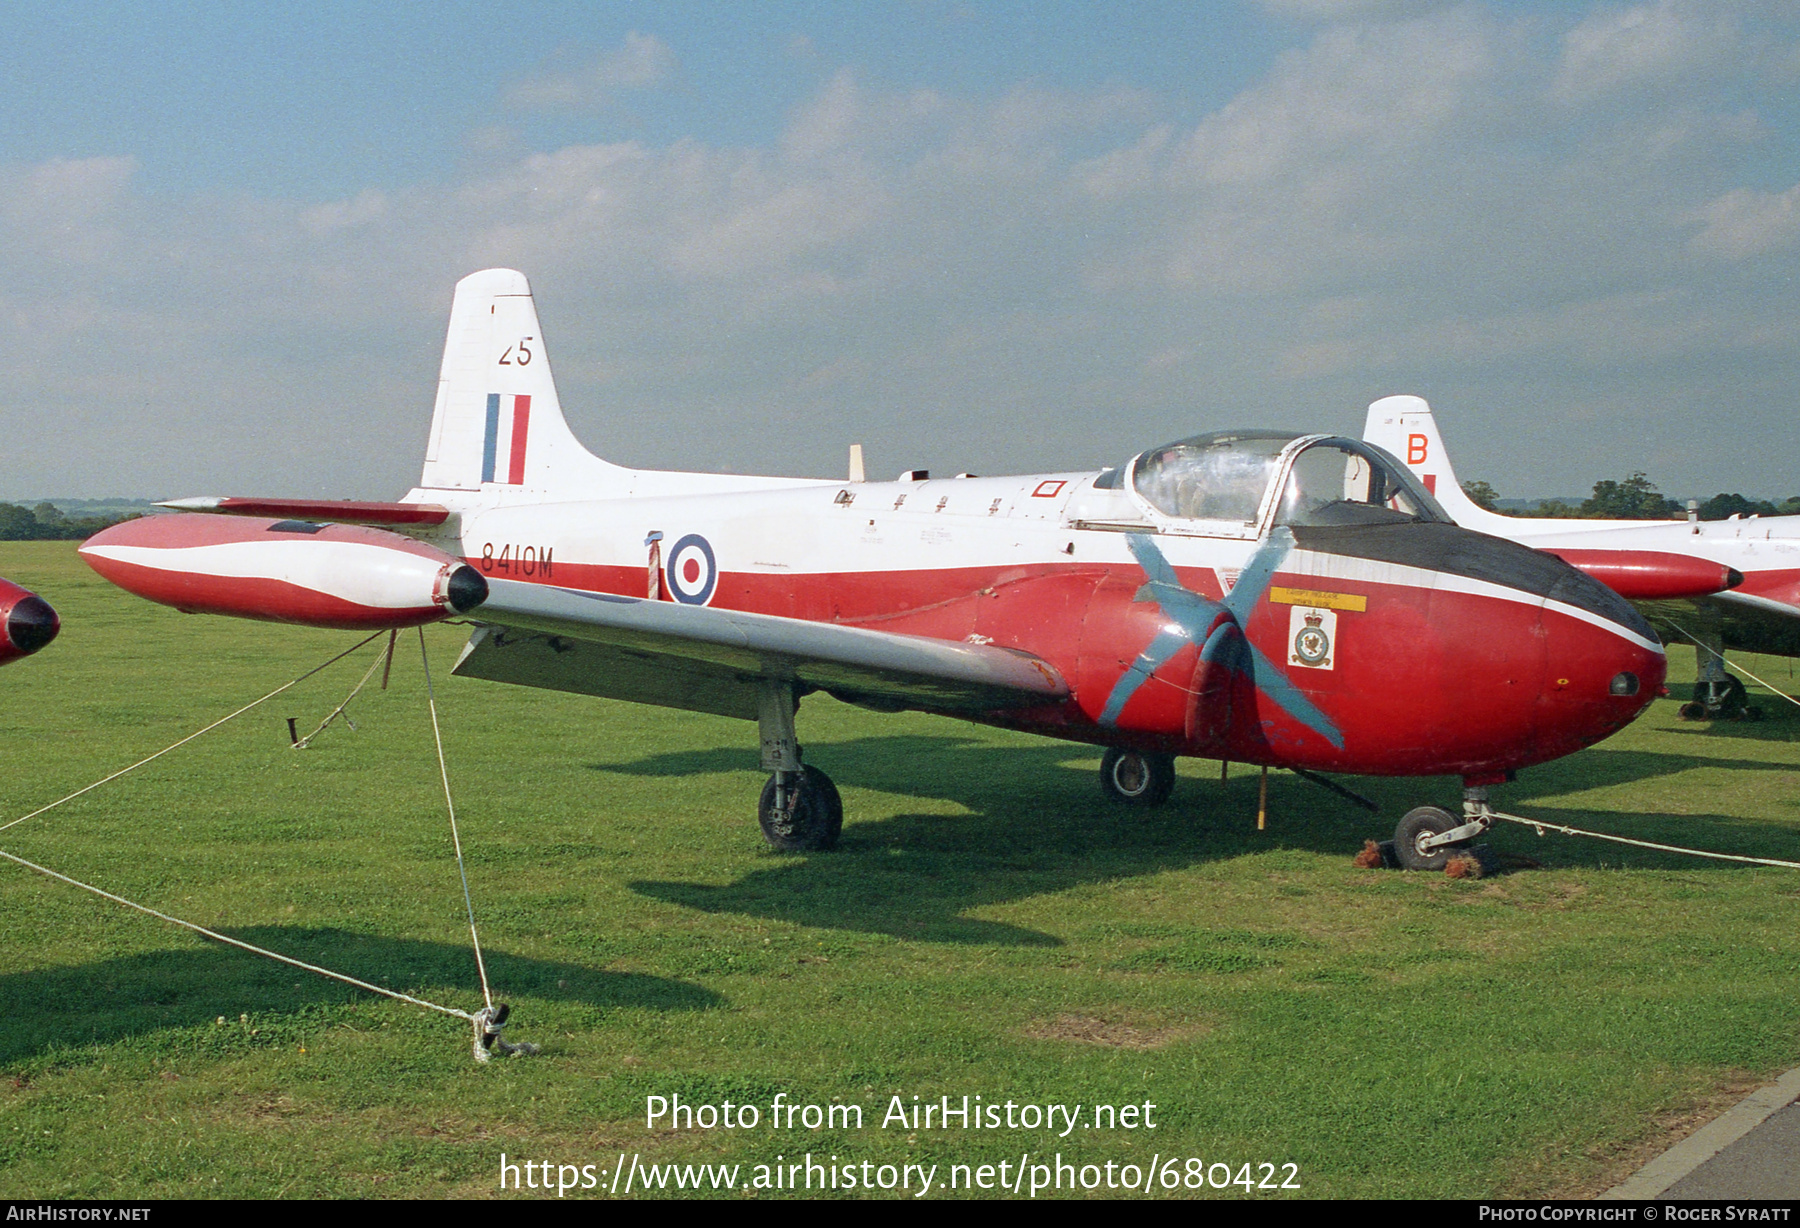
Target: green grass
x: 989, y: 927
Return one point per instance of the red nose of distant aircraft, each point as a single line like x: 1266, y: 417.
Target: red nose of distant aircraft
x: 292, y: 571
x: 27, y: 622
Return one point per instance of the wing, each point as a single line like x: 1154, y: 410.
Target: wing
x: 689, y: 656
x: 337, y: 511
x: 1744, y: 621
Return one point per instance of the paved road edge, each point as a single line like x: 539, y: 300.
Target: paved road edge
x: 1709, y: 1140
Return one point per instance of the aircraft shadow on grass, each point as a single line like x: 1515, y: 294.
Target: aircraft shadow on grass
x: 1037, y: 824
x: 115, y: 999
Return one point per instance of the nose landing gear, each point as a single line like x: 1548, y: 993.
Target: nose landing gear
x: 1428, y: 836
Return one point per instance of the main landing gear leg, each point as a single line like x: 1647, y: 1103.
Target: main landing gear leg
x: 1428, y: 835
x: 1718, y: 694
x: 800, y: 810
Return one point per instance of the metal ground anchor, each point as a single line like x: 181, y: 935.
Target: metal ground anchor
x: 489, y: 1021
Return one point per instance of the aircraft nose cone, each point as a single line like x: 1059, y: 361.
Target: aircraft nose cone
x: 32, y: 624
x: 1603, y: 665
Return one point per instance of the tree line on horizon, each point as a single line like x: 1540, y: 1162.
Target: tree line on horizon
x: 47, y: 522
x: 1635, y: 498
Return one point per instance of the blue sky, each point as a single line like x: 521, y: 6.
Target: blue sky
x: 996, y: 237
x: 316, y: 101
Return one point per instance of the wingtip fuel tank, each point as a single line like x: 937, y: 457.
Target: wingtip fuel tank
x: 27, y: 622
x: 290, y: 571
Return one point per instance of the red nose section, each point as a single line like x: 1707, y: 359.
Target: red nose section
x: 1595, y: 683
x: 1651, y: 575
x: 27, y: 622
x: 290, y: 571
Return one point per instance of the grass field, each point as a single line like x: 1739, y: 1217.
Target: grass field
x: 988, y: 927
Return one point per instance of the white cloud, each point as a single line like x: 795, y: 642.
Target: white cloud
x: 1039, y: 279
x: 1747, y: 222
x: 642, y: 62
x: 1647, y: 45
x: 1348, y: 10
x: 63, y: 210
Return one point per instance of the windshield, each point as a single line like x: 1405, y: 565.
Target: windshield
x: 1338, y: 482
x: 1221, y: 476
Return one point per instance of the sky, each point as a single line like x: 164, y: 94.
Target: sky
x: 988, y: 237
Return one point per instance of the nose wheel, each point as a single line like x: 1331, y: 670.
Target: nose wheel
x: 1428, y: 836
x: 1413, y: 846
x: 1137, y: 778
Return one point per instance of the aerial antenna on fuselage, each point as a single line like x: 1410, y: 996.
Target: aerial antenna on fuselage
x: 856, y: 464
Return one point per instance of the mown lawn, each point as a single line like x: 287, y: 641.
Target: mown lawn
x: 989, y: 927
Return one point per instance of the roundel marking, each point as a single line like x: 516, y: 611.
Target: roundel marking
x: 693, y: 572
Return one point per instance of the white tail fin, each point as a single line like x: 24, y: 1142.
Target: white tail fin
x: 497, y: 420
x: 1405, y: 427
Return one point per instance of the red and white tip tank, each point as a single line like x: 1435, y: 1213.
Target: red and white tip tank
x: 290, y: 571
x: 27, y: 622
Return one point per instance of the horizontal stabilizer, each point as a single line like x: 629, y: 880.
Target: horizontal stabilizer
x: 711, y: 660
x: 333, y: 511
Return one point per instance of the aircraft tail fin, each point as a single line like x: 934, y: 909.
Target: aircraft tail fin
x: 497, y: 421
x: 1404, y: 426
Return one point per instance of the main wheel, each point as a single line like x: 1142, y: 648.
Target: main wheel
x: 1723, y: 699
x: 834, y: 805
x: 1414, y: 827
x: 1137, y: 778
x: 812, y: 820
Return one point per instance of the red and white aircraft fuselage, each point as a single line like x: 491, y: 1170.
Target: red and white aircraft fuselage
x: 1259, y: 596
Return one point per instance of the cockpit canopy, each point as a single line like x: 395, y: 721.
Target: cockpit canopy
x: 1229, y: 478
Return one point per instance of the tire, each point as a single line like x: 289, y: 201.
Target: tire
x: 815, y: 821
x: 1137, y: 778
x: 834, y: 805
x: 1417, y: 823
x: 1725, y: 700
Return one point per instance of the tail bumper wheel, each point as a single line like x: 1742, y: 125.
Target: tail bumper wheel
x: 1137, y: 778
x: 1415, y: 826
x: 810, y: 820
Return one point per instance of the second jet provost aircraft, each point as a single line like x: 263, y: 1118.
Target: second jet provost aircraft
x: 1720, y: 583
x: 1259, y: 596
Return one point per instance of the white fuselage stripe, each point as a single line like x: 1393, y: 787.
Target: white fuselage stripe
x: 1346, y: 567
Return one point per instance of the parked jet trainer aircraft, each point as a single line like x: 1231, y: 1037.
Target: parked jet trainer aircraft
x: 1725, y: 583
x: 1260, y: 596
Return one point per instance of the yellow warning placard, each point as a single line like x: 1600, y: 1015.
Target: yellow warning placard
x: 1313, y: 597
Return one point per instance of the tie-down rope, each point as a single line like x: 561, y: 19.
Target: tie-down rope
x: 381, y: 658
x: 487, y: 1022
x: 455, y: 839
x: 1542, y: 825
x: 234, y: 942
x: 165, y: 750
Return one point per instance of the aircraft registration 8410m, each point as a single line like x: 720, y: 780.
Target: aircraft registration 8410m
x: 1258, y: 596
